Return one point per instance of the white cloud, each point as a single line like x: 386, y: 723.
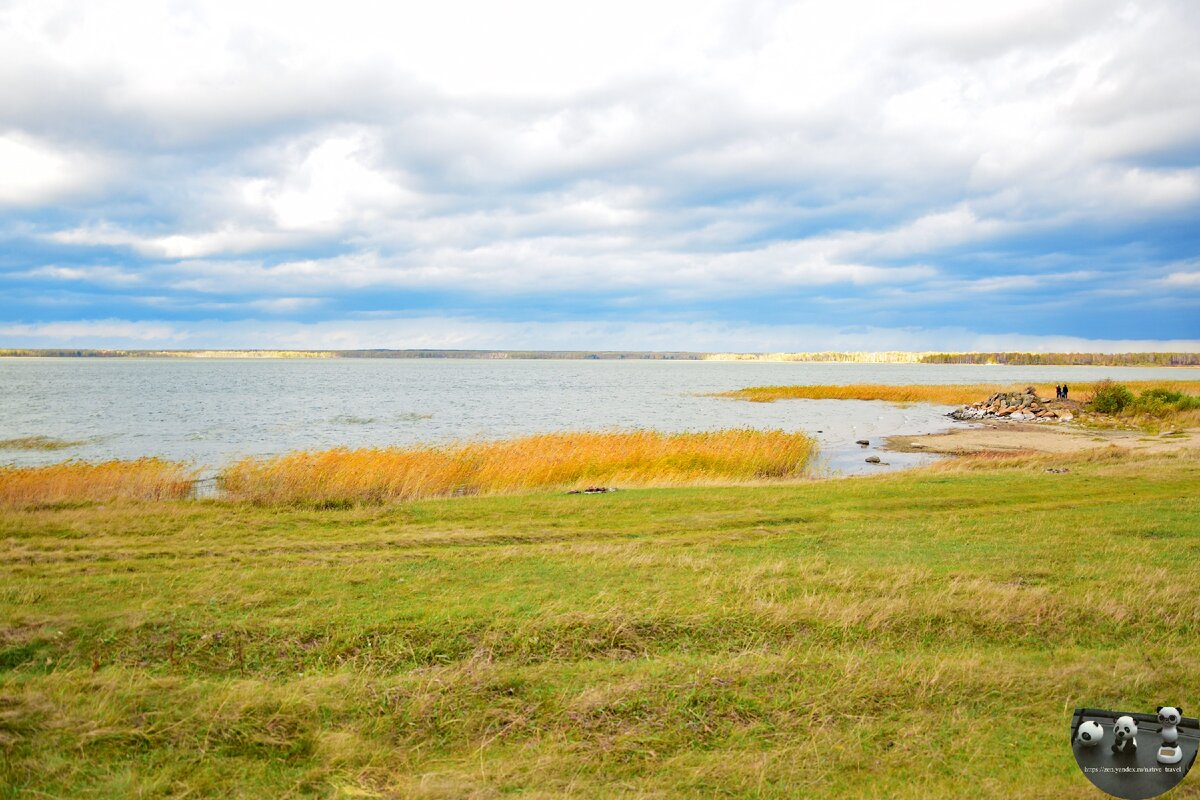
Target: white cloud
x: 1182, y: 279
x: 550, y: 264
x: 285, y: 305
x: 33, y: 172
x: 1001, y: 283
x: 53, y: 334
x: 328, y: 186
x: 441, y: 332
x: 227, y: 239
x: 111, y: 276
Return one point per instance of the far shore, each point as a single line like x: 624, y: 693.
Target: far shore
x: 1164, y: 360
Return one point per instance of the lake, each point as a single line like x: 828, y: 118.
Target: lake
x: 211, y: 411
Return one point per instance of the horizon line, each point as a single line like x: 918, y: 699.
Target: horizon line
x: 1158, y: 357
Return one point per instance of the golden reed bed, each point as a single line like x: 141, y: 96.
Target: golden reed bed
x: 558, y: 461
x: 77, y: 481
x: 944, y: 394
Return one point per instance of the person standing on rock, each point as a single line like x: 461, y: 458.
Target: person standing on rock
x: 1066, y: 392
x: 1057, y: 392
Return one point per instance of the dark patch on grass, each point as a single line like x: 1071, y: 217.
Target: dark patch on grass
x: 21, y: 654
x: 1159, y: 533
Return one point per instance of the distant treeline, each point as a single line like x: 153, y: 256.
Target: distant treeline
x: 614, y: 355
x: 1014, y: 359
x: 828, y: 357
x: 1068, y: 359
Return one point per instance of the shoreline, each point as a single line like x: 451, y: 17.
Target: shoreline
x: 979, y: 438
x: 998, y: 437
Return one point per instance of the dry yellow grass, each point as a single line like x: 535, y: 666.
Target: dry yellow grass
x: 1186, y: 419
x: 78, y: 481
x: 945, y: 394
x: 1041, y: 461
x: 562, y: 460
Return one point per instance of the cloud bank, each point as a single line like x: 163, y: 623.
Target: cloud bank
x: 762, y: 175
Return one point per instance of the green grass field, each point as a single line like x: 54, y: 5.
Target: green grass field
x: 914, y: 635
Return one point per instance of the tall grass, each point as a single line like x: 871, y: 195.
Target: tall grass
x: 559, y: 460
x: 78, y: 481
x: 946, y: 394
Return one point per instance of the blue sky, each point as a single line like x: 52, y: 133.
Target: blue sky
x: 703, y: 176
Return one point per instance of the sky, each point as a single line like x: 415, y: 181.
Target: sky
x: 711, y: 176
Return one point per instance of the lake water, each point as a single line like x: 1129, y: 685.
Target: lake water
x: 210, y: 412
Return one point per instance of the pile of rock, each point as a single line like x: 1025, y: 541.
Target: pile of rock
x: 1023, y: 406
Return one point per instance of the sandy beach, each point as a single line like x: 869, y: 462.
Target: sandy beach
x: 1014, y: 437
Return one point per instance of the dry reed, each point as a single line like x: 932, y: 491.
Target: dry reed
x: 78, y: 481
x: 36, y: 443
x: 560, y: 460
x: 945, y: 394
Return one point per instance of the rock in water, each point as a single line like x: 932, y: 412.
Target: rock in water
x: 873, y: 459
x: 863, y: 442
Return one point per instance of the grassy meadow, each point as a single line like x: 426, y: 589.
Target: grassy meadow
x: 911, y: 635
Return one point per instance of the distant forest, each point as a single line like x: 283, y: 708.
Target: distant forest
x: 1012, y: 359
x: 1068, y: 359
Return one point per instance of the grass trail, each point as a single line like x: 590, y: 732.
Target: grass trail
x: 914, y: 635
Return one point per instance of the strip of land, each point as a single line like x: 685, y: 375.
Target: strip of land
x: 951, y: 394
x: 1153, y: 359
